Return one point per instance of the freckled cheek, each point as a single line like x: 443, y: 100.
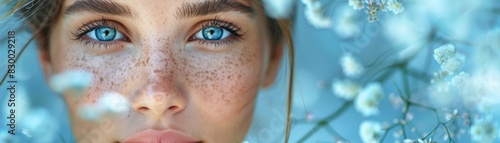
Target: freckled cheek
x: 227, y: 84
x: 112, y: 72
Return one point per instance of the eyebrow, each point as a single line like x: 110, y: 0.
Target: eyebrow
x: 211, y: 7
x: 98, y: 6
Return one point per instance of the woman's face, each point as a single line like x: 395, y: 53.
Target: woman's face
x: 190, y: 69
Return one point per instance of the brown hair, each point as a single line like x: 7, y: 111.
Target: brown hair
x: 41, y: 15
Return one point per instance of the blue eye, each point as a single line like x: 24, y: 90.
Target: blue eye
x: 212, y: 33
x: 105, y: 34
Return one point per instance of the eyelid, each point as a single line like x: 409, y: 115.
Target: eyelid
x: 229, y: 26
x: 97, y: 23
x: 235, y: 36
x: 80, y: 35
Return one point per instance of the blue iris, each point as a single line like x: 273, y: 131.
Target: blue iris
x: 212, y: 33
x: 105, y: 34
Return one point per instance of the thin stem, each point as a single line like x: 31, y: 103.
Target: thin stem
x: 399, y: 92
x: 333, y: 116
x: 426, y: 107
x: 407, y: 108
x: 448, y: 132
x: 311, y: 132
x: 433, y: 130
x: 404, y: 131
x: 334, y: 133
x: 387, y: 131
x: 406, y: 83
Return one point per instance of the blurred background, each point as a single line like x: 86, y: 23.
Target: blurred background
x: 365, y: 71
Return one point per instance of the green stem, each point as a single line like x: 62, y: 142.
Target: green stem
x: 311, y: 132
x: 387, y: 131
x: 448, y: 132
x: 426, y: 107
x: 323, y: 122
x: 433, y: 130
x: 406, y: 83
x: 334, y: 133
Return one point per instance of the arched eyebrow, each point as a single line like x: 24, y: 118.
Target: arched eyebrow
x: 194, y: 9
x: 98, y: 6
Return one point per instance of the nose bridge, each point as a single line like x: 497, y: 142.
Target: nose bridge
x: 157, y: 54
x: 160, y: 92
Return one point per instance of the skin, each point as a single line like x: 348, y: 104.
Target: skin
x: 206, y: 92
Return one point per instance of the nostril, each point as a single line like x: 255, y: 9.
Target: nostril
x: 173, y: 108
x: 143, y: 108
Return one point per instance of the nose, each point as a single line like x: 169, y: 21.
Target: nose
x: 159, y: 93
x: 157, y: 101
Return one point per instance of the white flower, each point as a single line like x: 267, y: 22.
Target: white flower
x: 356, y: 4
x: 75, y: 80
x: 279, y: 8
x: 395, y: 6
x: 345, y: 22
x: 444, y: 52
x: 449, y: 59
x: 459, y: 80
x: 314, y: 14
x: 453, y: 64
x: 369, y: 99
x: 370, y: 131
x: 408, y: 141
x: 345, y: 89
x: 114, y: 102
x: 425, y: 141
x: 395, y: 100
x: 350, y: 66
x: 90, y: 112
x: 108, y: 103
x: 484, y: 131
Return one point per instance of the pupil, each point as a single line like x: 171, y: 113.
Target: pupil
x: 105, y: 34
x: 212, y: 33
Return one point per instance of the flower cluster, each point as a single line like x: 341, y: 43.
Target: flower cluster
x: 71, y: 80
x: 314, y: 14
x: 369, y: 99
x: 450, y: 60
x: 484, y: 130
x: 423, y: 25
x: 370, y: 131
x: 366, y: 99
x: 375, y: 6
x: 109, y: 103
x: 350, y: 66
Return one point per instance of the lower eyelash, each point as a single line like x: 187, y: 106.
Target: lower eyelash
x: 218, y: 43
x: 95, y: 44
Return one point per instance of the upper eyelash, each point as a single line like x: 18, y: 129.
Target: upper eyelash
x: 232, y: 28
x: 99, y: 23
x: 91, y: 25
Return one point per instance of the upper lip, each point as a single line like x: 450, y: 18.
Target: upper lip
x: 165, y: 136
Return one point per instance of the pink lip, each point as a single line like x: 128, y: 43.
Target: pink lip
x: 155, y: 136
